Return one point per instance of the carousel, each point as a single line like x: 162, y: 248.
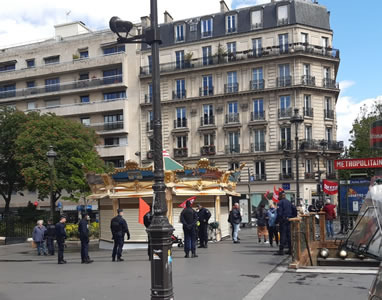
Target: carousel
x: 124, y: 187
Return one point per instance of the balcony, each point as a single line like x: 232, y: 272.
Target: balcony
x: 255, y: 85
x: 249, y: 54
x: 232, y: 149
x: 232, y: 118
x: 284, y: 81
x: 258, y: 177
x: 285, y: 113
x: 309, y: 144
x: 257, y: 116
x: 66, y: 86
x: 330, y: 83
x: 258, y: 147
x: 206, y: 91
x: 335, y: 146
x: 331, y: 176
x: 310, y: 175
x: 231, y: 88
x: 329, y: 114
x: 180, y: 152
x: 109, y: 126
x: 150, y: 154
x: 286, y: 145
x: 308, y: 112
x: 207, y: 120
x: 180, y: 123
x: 207, y: 150
x: 286, y: 176
x: 148, y: 98
x: 181, y: 94
x: 308, y: 80
x: 149, y: 126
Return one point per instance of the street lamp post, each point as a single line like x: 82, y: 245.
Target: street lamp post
x: 51, y: 155
x: 160, y: 230
x: 296, y: 120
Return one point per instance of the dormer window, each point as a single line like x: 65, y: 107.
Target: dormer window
x: 206, y: 27
x: 256, y: 19
x: 231, y: 22
x: 180, y: 33
x: 282, y: 15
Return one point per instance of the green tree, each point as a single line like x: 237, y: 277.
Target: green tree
x: 11, y: 180
x: 76, y: 154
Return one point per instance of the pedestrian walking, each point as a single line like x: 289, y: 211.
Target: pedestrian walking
x: 284, y: 213
x: 272, y: 226
x: 189, y: 218
x: 50, y: 234
x: 330, y: 215
x: 235, y: 219
x: 262, y: 223
x: 119, y: 228
x: 83, y: 230
x: 147, y: 218
x: 38, y: 236
x: 203, y: 215
x: 61, y: 236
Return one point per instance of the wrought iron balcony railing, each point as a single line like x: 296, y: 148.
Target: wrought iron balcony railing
x: 207, y: 150
x: 232, y: 118
x: 207, y: 120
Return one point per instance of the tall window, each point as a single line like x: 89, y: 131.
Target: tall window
x: 180, y: 88
x: 256, y: 19
x: 286, y: 138
x: 208, y: 88
x: 259, y: 170
x: 150, y: 62
x: 181, y: 142
x: 282, y: 14
x: 258, y: 109
x: 308, y: 166
x: 231, y: 23
x: 285, y: 109
x: 329, y: 134
x: 232, y: 107
x: 283, y: 43
x: 113, y: 122
x: 232, y: 116
x: 112, y: 76
x: 308, y: 133
x: 257, y: 79
x: 231, y: 49
x: 181, y: 117
x: 308, y: 110
x: 233, y: 140
x: 232, y: 85
x: 327, y: 77
x: 304, y: 39
x: 208, y: 114
x: 325, y: 42
x: 207, y: 55
x: 180, y: 33
x: 330, y: 166
x: 286, y: 167
x: 179, y: 56
x: 150, y: 87
x: 285, y: 78
x: 329, y: 114
x: 150, y: 118
x: 206, y: 27
x: 257, y: 47
x: 258, y: 140
x: 306, y: 70
x: 208, y: 139
x: 52, y: 84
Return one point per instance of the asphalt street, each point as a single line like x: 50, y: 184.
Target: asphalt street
x: 223, y: 271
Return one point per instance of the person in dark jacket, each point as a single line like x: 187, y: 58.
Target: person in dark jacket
x: 235, y: 220
x: 83, y: 230
x: 50, y: 234
x: 119, y: 228
x: 203, y: 215
x: 61, y: 236
x: 39, y: 237
x: 189, y: 218
x: 262, y: 223
x: 284, y: 212
x: 147, y: 218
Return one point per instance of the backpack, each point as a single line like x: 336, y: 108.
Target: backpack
x: 115, y: 226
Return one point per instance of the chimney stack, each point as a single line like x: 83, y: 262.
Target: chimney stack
x: 223, y: 7
x: 167, y: 17
x: 146, y: 22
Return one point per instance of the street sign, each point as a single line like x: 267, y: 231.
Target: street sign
x: 358, y: 163
x: 286, y: 186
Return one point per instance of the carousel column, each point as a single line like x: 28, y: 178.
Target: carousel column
x: 115, y: 206
x: 169, y: 206
x: 218, y: 217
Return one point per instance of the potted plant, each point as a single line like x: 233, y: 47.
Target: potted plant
x: 220, y: 53
x: 187, y: 59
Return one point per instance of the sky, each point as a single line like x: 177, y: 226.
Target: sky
x: 356, y: 33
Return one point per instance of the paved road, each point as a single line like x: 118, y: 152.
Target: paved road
x: 224, y: 271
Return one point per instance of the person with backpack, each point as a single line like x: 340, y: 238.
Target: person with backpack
x: 189, y: 218
x: 204, y: 215
x: 119, y: 228
x: 272, y: 226
x: 262, y: 223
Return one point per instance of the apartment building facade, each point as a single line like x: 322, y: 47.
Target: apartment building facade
x: 81, y: 75
x: 230, y: 82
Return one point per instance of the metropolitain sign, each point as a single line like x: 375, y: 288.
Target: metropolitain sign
x: 358, y: 163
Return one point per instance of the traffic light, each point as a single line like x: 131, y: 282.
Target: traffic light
x: 317, y: 176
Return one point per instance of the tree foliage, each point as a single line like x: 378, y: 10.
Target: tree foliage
x: 76, y: 154
x: 11, y: 180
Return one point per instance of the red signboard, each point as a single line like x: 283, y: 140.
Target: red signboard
x: 330, y: 187
x: 376, y: 135
x: 358, y: 163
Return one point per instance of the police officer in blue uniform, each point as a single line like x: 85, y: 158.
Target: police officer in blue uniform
x: 83, y: 230
x: 119, y: 228
x: 60, y: 237
x: 284, y: 212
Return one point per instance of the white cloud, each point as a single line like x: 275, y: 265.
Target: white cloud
x: 346, y: 84
x: 24, y: 20
x: 347, y: 111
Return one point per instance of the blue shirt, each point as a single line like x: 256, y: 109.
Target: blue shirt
x: 272, y: 216
x: 284, y: 209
